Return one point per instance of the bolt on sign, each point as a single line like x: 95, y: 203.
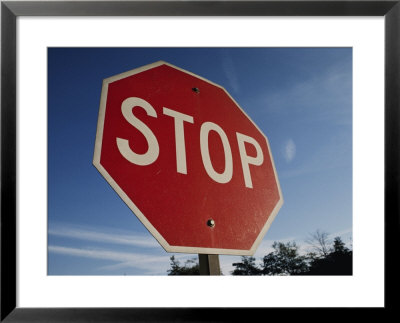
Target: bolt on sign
x: 187, y: 160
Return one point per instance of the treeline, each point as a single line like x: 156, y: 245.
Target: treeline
x: 323, y: 258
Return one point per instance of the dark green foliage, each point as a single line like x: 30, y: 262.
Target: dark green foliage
x: 191, y: 267
x: 284, y: 260
x: 246, y: 267
x: 338, y: 262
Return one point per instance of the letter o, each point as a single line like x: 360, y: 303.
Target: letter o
x: 226, y: 175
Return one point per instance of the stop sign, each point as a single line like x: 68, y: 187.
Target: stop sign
x: 187, y: 160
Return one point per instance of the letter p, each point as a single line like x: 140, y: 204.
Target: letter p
x: 247, y: 160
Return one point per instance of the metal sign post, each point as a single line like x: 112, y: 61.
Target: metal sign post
x: 209, y: 265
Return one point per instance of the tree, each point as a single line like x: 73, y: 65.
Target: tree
x: 191, y: 267
x: 339, y: 246
x: 284, y: 260
x: 319, y: 243
x: 246, y: 267
x: 337, y: 262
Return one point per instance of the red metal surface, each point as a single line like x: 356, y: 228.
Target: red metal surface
x: 179, y: 205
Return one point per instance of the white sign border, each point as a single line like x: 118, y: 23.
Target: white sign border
x: 128, y: 201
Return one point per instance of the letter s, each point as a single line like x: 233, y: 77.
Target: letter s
x: 123, y: 145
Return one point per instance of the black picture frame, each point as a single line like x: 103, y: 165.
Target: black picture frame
x: 10, y: 10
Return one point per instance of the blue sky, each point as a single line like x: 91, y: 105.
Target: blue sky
x: 301, y: 98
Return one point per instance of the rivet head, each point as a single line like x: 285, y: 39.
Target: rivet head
x: 195, y: 89
x: 211, y: 223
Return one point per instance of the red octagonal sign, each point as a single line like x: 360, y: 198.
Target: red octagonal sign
x: 187, y: 160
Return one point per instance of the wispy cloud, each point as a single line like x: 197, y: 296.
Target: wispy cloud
x: 156, y: 263
x: 97, y: 235
x: 95, y: 253
x: 289, y: 150
x: 335, y: 153
x: 312, y: 98
x: 230, y: 71
x: 152, y: 264
x: 106, y: 246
